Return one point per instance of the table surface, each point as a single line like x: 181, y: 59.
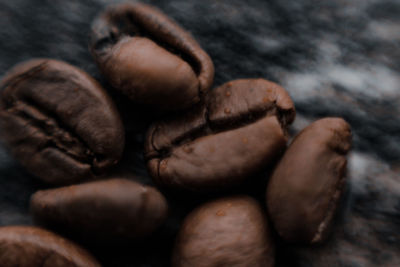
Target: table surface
x: 336, y: 58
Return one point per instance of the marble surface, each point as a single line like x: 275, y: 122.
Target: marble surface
x: 336, y: 58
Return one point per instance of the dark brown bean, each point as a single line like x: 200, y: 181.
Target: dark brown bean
x: 305, y: 188
x: 231, y: 231
x: 26, y: 246
x: 148, y: 57
x: 58, y: 121
x: 115, y: 210
x: 238, y: 132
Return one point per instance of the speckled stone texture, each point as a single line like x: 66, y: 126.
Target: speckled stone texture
x: 336, y: 58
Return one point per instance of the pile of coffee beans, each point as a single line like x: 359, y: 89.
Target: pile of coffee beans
x: 64, y: 128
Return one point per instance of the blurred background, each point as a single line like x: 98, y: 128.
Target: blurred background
x: 336, y: 58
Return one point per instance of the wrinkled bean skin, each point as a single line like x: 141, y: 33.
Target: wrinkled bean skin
x: 231, y: 231
x: 115, y: 210
x: 26, y: 246
x: 305, y: 188
x: 58, y: 122
x: 238, y: 132
x: 150, y: 58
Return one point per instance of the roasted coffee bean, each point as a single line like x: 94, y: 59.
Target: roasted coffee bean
x: 114, y: 210
x: 238, y: 132
x: 149, y: 58
x: 305, y: 188
x: 58, y: 121
x: 231, y: 231
x: 26, y: 246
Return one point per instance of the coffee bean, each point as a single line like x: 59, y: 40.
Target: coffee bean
x: 115, y: 210
x: 238, y: 132
x: 305, y: 188
x: 231, y: 231
x: 150, y: 58
x: 26, y: 246
x: 59, y: 122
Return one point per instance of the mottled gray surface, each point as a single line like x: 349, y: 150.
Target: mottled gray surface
x: 336, y: 58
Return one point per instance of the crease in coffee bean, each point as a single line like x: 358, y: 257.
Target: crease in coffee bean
x: 13, y: 105
x: 135, y: 28
x: 214, y: 128
x: 140, y: 32
x: 211, y: 127
x: 59, y: 137
x: 331, y: 208
x: 53, y: 127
